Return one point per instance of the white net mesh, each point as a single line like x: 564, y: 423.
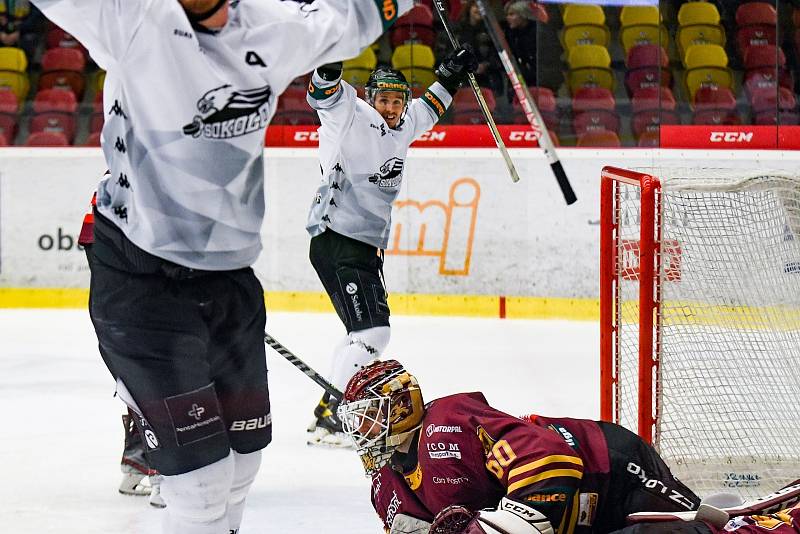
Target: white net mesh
x: 728, y: 393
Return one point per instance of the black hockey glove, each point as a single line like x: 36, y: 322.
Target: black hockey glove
x: 330, y: 72
x: 455, y: 67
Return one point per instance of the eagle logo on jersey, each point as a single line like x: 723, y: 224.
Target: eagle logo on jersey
x: 390, y: 175
x: 227, y: 112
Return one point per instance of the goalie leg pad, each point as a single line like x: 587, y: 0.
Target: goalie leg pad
x: 197, y: 501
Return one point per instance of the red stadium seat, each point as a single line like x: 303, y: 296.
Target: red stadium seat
x: 594, y: 108
x: 9, y: 114
x: 466, y: 109
x: 715, y: 105
x: 43, y: 139
x: 414, y: 26
x: 93, y: 139
x: 293, y: 109
x: 774, y: 106
x: 55, y: 111
x: 765, y: 66
x: 63, y: 68
x: 599, y: 139
x: 545, y: 102
x: 757, y: 25
x: 97, y: 118
x: 650, y: 139
x: 3, y: 139
x: 652, y: 107
x: 58, y: 38
x: 647, y: 66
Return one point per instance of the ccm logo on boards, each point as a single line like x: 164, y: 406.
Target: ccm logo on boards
x: 306, y: 136
x: 731, y: 137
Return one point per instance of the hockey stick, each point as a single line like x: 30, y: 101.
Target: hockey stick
x: 774, y: 502
x: 442, y: 12
x: 524, y: 96
x: 300, y: 364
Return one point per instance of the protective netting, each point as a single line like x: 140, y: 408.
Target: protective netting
x: 728, y: 385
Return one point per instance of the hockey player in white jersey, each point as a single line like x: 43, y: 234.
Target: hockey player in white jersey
x: 362, y: 152
x: 191, y: 86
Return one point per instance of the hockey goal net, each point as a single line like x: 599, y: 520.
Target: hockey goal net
x: 700, y: 321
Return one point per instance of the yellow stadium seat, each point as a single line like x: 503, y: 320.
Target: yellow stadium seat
x: 698, y: 13
x: 584, y: 24
x: 356, y: 71
x: 99, y: 81
x: 583, y: 34
x: 589, y: 65
x: 699, y: 23
x: 575, y: 14
x: 419, y: 77
x: 413, y: 55
x: 13, y: 75
x: 706, y: 65
x: 638, y: 34
x: 21, y: 10
x: 635, y: 15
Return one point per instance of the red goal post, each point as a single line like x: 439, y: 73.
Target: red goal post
x: 610, y: 243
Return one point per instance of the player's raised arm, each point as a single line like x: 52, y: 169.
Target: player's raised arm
x: 323, y: 31
x: 104, y: 27
x: 452, y: 72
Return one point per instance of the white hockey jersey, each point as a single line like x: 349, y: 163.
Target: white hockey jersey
x: 186, y: 111
x: 362, y: 159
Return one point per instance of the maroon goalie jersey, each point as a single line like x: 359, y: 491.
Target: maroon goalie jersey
x: 471, y: 454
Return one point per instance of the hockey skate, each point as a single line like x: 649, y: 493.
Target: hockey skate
x: 326, y: 428
x: 135, y: 467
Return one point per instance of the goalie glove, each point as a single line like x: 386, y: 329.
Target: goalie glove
x: 510, y: 517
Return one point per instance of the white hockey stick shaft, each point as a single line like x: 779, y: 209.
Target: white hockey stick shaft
x: 525, y: 99
x: 300, y: 364
x: 487, y: 113
x: 783, y: 498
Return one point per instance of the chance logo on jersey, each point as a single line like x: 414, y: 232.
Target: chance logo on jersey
x: 390, y: 175
x: 228, y: 113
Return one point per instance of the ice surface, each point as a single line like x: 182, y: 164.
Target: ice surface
x: 61, y: 436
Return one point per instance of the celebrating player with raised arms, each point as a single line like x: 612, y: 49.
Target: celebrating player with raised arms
x: 191, y: 86
x: 362, y: 151
x: 541, y: 474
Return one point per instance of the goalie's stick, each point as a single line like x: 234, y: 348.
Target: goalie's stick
x: 524, y: 96
x: 300, y: 364
x: 783, y: 498
x: 442, y: 12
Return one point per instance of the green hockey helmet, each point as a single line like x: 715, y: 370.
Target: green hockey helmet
x: 386, y: 79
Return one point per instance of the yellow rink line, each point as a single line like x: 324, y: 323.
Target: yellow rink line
x: 400, y: 304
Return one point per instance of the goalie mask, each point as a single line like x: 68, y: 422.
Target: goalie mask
x: 387, y: 80
x: 382, y: 407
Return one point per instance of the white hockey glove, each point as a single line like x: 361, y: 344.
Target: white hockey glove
x: 510, y: 517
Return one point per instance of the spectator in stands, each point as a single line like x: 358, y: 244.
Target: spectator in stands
x: 520, y: 30
x: 470, y: 30
x: 20, y: 25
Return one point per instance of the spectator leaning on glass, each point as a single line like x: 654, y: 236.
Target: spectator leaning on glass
x: 520, y: 30
x: 178, y: 311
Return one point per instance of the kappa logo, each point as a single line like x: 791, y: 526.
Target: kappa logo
x: 227, y: 113
x: 390, y: 175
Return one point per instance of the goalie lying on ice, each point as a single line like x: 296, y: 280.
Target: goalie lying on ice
x: 458, y: 466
